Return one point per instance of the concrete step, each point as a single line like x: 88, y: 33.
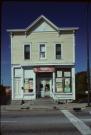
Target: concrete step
x: 43, y: 101
x: 15, y: 102
x: 40, y: 101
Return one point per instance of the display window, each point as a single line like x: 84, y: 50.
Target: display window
x: 59, y: 86
x: 63, y: 80
x: 28, y: 85
x: 67, y: 85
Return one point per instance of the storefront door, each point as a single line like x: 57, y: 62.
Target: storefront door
x: 44, y: 87
x: 47, y: 87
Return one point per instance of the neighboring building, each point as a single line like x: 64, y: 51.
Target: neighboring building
x: 8, y: 90
x: 5, y: 90
x: 43, y: 61
x: 5, y: 94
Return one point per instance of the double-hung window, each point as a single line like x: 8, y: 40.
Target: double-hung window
x: 58, y: 51
x: 42, y: 51
x: 26, y: 52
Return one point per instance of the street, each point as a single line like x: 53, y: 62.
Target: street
x: 49, y: 122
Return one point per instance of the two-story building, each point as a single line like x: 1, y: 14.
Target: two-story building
x: 43, y: 61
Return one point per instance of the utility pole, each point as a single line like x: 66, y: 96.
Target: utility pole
x: 87, y: 43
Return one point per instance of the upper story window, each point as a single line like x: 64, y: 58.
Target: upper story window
x: 58, y: 51
x: 42, y: 51
x: 26, y: 52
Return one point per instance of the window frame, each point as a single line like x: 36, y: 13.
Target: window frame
x: 67, y: 77
x: 63, y: 79
x: 40, y: 51
x: 56, y: 51
x: 26, y: 44
x: 29, y: 91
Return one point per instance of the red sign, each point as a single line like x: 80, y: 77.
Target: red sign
x: 44, y: 69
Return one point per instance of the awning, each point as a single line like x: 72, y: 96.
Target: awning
x: 44, y: 69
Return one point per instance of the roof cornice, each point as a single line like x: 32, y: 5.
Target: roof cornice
x: 38, y: 20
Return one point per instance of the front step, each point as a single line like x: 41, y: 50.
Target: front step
x: 15, y: 102
x: 40, y: 101
x: 43, y: 101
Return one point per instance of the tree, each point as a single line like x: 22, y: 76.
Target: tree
x: 81, y: 84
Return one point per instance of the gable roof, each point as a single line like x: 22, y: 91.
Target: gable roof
x: 39, y: 19
x: 42, y: 17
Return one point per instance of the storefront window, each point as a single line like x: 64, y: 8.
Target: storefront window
x: 67, y: 85
x: 67, y: 74
x: 28, y: 85
x: 59, y: 85
x: 59, y: 73
x: 63, y: 80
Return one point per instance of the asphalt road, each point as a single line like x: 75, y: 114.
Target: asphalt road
x: 37, y: 122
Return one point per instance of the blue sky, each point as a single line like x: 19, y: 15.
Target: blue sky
x: 21, y: 14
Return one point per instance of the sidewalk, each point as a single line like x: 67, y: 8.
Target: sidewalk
x: 43, y: 106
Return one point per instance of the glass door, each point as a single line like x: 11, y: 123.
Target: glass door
x: 44, y: 87
x: 47, y: 87
x: 41, y: 87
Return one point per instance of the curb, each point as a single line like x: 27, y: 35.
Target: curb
x: 21, y: 108
x: 30, y: 109
x: 42, y: 107
x: 45, y: 109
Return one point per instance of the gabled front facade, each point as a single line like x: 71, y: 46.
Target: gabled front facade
x: 43, y: 61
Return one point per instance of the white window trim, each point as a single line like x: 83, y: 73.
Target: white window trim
x: 24, y: 50
x: 45, y: 51
x: 61, y: 51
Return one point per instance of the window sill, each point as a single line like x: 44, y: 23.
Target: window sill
x: 59, y: 59
x: 29, y: 93
x: 42, y: 58
x: 63, y: 93
x: 27, y: 59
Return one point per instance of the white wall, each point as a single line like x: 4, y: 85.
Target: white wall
x: 17, y: 74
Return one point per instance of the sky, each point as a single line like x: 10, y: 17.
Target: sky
x: 21, y: 14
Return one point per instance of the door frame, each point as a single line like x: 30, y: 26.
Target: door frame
x: 20, y: 93
x: 44, y: 79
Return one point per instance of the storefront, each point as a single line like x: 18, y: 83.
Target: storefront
x: 43, y: 84
x: 44, y: 81
x: 30, y: 83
